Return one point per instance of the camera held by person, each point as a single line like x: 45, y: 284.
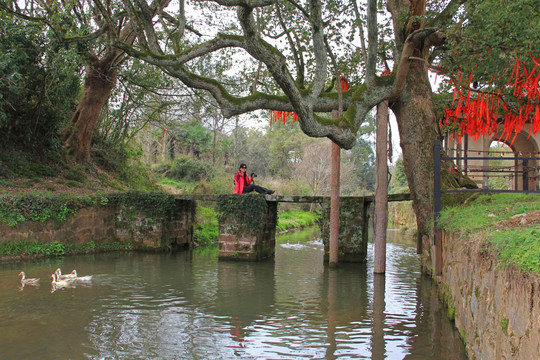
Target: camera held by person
x: 253, y: 175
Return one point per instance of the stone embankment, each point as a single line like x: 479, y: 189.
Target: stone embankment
x: 496, y: 310
x: 110, y: 223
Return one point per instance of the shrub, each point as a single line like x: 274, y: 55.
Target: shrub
x: 206, y: 229
x: 189, y: 169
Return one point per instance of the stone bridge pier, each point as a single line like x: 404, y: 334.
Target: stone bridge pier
x: 247, y: 226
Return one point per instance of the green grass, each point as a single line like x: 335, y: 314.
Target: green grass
x: 33, y: 247
x: 205, y: 229
x: 294, y: 219
x: 519, y: 246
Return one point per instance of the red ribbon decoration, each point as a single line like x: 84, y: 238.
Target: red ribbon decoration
x: 478, y: 115
x: 276, y: 115
x: 282, y: 116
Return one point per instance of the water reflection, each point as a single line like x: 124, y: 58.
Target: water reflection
x: 195, y: 307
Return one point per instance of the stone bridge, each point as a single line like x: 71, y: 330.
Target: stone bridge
x: 247, y: 223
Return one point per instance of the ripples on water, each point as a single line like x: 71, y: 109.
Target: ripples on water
x: 180, y: 306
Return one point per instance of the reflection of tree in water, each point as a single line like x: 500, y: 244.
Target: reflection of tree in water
x: 245, y: 293
x: 433, y: 329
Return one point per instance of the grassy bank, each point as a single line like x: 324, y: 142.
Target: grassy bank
x: 296, y: 219
x: 505, y: 224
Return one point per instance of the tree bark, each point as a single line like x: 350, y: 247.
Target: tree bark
x: 99, y: 82
x: 417, y: 126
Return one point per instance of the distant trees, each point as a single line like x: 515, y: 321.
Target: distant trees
x: 39, y: 85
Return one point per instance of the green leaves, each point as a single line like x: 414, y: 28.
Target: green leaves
x: 39, y: 84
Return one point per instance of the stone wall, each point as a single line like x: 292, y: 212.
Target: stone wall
x: 496, y: 310
x: 241, y: 241
x: 353, y: 229
x: 108, y: 223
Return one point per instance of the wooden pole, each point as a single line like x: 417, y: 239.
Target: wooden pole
x: 334, y: 186
x: 334, y: 207
x: 381, y: 189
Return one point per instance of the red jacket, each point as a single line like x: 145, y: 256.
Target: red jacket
x: 240, y: 182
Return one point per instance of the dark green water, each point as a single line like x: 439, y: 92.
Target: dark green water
x: 189, y: 306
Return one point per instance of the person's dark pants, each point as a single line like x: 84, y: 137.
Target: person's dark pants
x: 257, y: 188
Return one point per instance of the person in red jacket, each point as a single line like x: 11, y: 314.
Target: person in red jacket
x: 244, y: 184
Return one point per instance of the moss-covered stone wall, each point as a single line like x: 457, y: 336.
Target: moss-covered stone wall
x: 247, y: 227
x: 142, y: 220
x: 353, y: 229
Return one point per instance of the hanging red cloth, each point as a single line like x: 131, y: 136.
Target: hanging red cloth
x: 478, y: 114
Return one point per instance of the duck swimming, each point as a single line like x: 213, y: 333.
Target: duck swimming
x: 29, y: 281
x: 58, y: 283
x: 81, y: 278
x: 59, y: 275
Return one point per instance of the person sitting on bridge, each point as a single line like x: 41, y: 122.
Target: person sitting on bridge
x: 244, y: 184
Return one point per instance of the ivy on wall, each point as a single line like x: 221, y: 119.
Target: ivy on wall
x: 154, y: 204
x: 16, y: 209
x: 246, y: 209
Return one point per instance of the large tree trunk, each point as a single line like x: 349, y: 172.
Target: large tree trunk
x: 100, y: 80
x: 417, y: 126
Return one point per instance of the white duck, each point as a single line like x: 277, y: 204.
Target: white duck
x: 68, y: 277
x: 80, y: 278
x: 29, y: 281
x: 56, y: 283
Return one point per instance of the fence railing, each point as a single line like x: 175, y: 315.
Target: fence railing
x: 524, y: 171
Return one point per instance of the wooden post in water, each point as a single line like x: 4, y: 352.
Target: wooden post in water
x: 334, y: 206
x: 381, y: 189
x: 334, y: 196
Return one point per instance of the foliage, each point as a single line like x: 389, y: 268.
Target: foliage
x: 489, y: 35
x: 247, y: 209
x: 123, y: 161
x: 39, y: 84
x: 76, y: 174
x: 157, y: 205
x: 136, y: 103
x: 363, y: 155
x: 296, y: 219
x: 518, y: 246
x: 15, y: 209
x: 39, y: 248
x: 15, y: 163
x: 398, y: 182
x: 194, y: 137
x: 205, y: 229
x: 32, y: 248
x: 285, y: 149
x: 189, y: 169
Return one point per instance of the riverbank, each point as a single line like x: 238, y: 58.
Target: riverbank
x: 490, y: 274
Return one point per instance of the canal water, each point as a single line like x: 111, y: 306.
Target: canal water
x: 191, y: 306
